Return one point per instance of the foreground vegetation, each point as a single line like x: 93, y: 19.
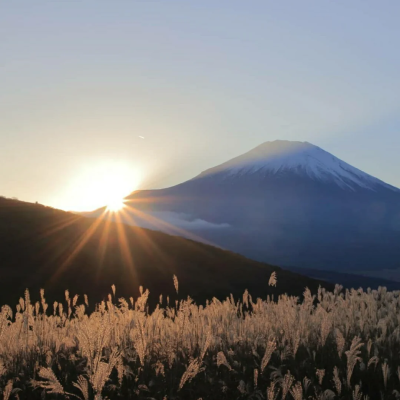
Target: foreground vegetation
x: 331, y: 345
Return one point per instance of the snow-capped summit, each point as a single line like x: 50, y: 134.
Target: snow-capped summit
x: 300, y: 158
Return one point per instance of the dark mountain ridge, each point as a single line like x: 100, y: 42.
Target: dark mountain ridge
x: 41, y: 247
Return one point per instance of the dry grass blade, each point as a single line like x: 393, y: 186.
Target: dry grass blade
x: 3, y: 369
x: 192, y: 370
x: 336, y: 381
x: 221, y: 360
x: 271, y: 346
x: 286, y: 384
x: 273, y: 279
x: 272, y: 393
x: 50, y: 383
x: 176, y: 283
x: 8, y: 390
x: 297, y: 391
x: 357, y: 394
x: 83, y: 386
x: 353, y: 357
x: 320, y: 375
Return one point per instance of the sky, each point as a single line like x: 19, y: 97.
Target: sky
x: 102, y: 95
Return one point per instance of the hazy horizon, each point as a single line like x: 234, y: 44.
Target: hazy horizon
x: 157, y: 92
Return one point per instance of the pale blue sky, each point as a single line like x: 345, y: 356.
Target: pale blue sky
x: 201, y: 81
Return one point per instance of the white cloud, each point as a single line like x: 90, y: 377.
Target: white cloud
x: 186, y: 221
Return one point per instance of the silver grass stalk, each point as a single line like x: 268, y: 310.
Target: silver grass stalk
x: 353, y: 357
x: 369, y: 347
x: 286, y: 384
x: 320, y: 374
x: 336, y: 381
x: 83, y: 386
x: 221, y: 360
x: 176, y: 283
x: 3, y: 369
x: 357, y: 394
x: 192, y: 370
x: 206, y: 344
x: 246, y: 297
x: 306, y: 384
x: 373, y: 360
x: 8, y: 390
x: 272, y: 394
x: 340, y: 342
x: 273, y: 279
x: 297, y: 391
x: 103, y: 371
x: 51, y: 384
x: 386, y: 373
x: 271, y: 346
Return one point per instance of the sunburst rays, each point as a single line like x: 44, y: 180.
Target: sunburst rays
x: 118, y: 225
x: 77, y: 246
x: 158, y: 223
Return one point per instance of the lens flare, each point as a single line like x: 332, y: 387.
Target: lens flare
x: 101, y: 184
x: 115, y: 205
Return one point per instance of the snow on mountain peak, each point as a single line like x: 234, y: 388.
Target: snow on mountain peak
x: 300, y: 158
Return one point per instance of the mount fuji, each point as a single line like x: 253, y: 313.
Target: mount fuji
x: 299, y: 158
x: 287, y: 203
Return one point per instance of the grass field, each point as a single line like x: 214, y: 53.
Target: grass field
x: 332, y: 345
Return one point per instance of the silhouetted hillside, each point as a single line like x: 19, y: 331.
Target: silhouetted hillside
x: 41, y: 247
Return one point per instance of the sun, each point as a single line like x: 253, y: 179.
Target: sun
x: 102, y: 184
x: 115, y: 205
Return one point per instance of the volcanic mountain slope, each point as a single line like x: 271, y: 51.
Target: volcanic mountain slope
x: 288, y: 203
x: 41, y: 247
x: 299, y: 158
